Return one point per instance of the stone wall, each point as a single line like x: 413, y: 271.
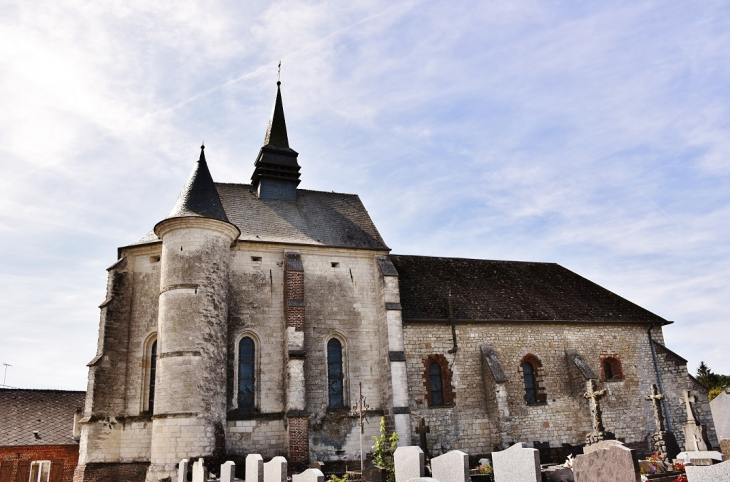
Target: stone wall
x: 469, y: 426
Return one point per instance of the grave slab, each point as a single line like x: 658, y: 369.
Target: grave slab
x: 275, y: 470
x: 228, y: 472
x: 517, y: 464
x: 558, y: 474
x: 409, y: 463
x: 374, y: 474
x: 254, y: 468
x: 616, y: 464
x: 452, y: 466
x: 423, y: 479
x: 309, y: 475
x: 713, y: 473
x: 700, y: 455
x: 182, y: 471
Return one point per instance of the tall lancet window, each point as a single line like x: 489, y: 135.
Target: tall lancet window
x: 335, y: 374
x: 436, y: 383
x: 153, y: 370
x: 246, y: 373
x: 528, y: 373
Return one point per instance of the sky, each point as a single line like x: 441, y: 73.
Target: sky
x: 590, y: 134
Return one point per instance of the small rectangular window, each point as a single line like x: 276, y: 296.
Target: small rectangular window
x: 40, y: 471
x: 256, y: 259
x: 335, y: 264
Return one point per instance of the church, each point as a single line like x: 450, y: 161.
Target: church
x: 252, y: 317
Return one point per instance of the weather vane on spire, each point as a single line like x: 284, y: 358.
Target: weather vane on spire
x: 278, y: 79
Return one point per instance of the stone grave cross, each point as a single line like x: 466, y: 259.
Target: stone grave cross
x: 422, y: 430
x: 595, y: 396
x: 689, y: 399
x: 656, y: 400
x: 361, y: 409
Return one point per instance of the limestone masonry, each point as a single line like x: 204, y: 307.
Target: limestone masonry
x: 246, y: 319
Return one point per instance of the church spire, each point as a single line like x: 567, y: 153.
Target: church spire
x: 276, y: 173
x: 276, y: 131
x: 199, y: 197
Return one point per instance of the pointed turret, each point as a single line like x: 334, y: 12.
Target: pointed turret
x: 199, y: 198
x: 276, y: 175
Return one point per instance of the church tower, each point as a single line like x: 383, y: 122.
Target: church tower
x: 192, y: 326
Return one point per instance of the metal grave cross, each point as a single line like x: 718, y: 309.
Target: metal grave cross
x: 595, y: 396
x: 656, y: 400
x: 422, y: 430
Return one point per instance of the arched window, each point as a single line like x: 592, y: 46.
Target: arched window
x: 611, y: 370
x: 528, y: 373
x: 532, y: 376
x: 335, y: 374
x: 149, y: 364
x: 153, y: 372
x: 246, y: 373
x: 435, y: 381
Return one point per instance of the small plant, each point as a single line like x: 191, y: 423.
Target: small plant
x: 383, y: 451
x: 681, y: 478
x: 338, y: 479
x: 485, y: 470
x: 679, y: 467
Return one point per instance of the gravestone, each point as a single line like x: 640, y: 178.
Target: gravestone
x: 309, y: 475
x: 228, y: 472
x: 725, y: 447
x: 409, y: 463
x: 182, y: 471
x: 275, y: 470
x: 664, y: 442
x: 602, y: 445
x: 452, y: 466
x: 374, y: 474
x: 599, y: 433
x: 423, y: 479
x: 254, y: 468
x: 616, y: 463
x: 485, y: 463
x: 713, y: 473
x: 199, y: 472
x: 695, y: 434
x: 516, y: 464
x: 316, y: 464
x: 557, y: 473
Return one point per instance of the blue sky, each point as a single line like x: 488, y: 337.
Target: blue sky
x: 590, y: 134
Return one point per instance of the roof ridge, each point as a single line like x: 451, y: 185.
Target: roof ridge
x: 478, y: 259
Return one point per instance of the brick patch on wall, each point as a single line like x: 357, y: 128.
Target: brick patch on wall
x: 298, y: 442
x: 17, y: 459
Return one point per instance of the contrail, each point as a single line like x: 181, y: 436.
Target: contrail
x: 269, y: 65
x: 670, y: 217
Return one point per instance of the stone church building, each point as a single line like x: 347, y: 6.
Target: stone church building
x: 247, y: 319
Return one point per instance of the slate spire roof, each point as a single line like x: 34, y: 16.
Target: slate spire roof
x: 276, y: 160
x: 199, y: 198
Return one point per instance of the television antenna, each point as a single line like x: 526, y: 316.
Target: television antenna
x: 6, y: 373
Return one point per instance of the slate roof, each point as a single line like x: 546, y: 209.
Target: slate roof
x: 199, y: 197
x: 50, y: 412
x: 316, y: 218
x: 484, y: 290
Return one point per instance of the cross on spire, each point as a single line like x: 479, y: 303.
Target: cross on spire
x: 595, y: 396
x: 656, y: 399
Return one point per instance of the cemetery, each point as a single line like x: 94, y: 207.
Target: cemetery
x: 602, y: 458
